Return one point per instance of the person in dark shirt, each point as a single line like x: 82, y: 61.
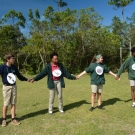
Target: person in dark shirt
x: 56, y: 73
x: 129, y: 64
x: 8, y: 72
x: 97, y: 70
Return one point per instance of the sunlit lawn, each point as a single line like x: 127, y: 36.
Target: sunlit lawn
x: 32, y: 110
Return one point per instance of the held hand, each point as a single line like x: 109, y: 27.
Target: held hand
x: 77, y: 77
x: 117, y: 78
x: 31, y: 80
x: 28, y: 80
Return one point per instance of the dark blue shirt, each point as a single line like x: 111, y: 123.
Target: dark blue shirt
x: 5, y: 70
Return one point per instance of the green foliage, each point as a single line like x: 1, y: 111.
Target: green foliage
x: 11, y: 39
x: 16, y: 18
x: 77, y: 35
x: 120, y: 3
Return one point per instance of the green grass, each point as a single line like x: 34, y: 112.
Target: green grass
x: 32, y: 110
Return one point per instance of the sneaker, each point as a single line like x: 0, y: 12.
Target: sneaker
x: 91, y: 109
x: 101, y: 108
x: 133, y: 105
x: 61, y: 111
x: 15, y: 122
x: 4, y: 123
x: 50, y: 112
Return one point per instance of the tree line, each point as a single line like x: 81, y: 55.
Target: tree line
x: 77, y: 35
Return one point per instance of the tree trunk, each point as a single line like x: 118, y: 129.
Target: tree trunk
x: 42, y: 59
x: 123, y: 14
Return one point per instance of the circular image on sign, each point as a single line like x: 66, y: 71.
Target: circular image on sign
x: 99, y: 70
x: 56, y: 73
x: 133, y: 66
x: 11, y: 78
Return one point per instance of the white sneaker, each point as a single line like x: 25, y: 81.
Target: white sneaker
x: 61, y: 111
x: 133, y: 105
x: 50, y: 112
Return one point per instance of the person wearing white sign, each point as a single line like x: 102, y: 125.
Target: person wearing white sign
x: 56, y: 73
x: 97, y: 70
x: 8, y: 72
x: 129, y: 64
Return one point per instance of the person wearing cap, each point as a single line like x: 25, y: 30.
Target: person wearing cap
x: 8, y: 72
x: 129, y: 64
x: 56, y: 73
x: 97, y: 70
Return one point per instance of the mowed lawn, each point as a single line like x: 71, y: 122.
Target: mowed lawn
x: 118, y: 118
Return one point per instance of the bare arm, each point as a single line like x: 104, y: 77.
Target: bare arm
x: 111, y: 73
x: 81, y: 74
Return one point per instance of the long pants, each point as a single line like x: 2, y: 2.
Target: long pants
x: 57, y: 89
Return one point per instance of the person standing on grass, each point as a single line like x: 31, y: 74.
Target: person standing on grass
x: 55, y: 72
x: 130, y: 65
x: 97, y: 70
x: 8, y: 72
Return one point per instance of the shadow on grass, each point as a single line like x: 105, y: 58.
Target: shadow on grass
x: 33, y: 114
x: 111, y: 101
x: 75, y: 105
x: 128, y: 100
x: 44, y: 111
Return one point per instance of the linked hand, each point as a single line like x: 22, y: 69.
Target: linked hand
x: 77, y: 77
x: 31, y: 80
x: 117, y: 78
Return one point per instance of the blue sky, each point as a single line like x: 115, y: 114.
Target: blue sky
x: 101, y: 6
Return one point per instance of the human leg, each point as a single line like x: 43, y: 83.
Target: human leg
x: 5, y: 108
x: 51, y: 98
x: 100, y: 88
x: 59, y: 93
x: 93, y: 95
x: 92, y: 101
x: 6, y: 98
x: 132, y: 84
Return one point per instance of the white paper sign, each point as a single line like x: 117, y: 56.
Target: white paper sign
x: 56, y: 73
x: 133, y: 66
x: 11, y: 78
x: 99, y: 70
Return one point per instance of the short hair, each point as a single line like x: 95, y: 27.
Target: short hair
x: 8, y: 56
x: 53, y: 54
x: 133, y: 49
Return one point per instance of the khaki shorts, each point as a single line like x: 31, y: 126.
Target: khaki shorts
x: 97, y: 88
x: 132, y: 82
x: 9, y: 95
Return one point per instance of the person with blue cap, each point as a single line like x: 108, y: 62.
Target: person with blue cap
x: 97, y: 70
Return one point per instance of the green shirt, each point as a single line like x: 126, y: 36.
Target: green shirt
x: 128, y: 65
x: 95, y: 78
x: 47, y: 71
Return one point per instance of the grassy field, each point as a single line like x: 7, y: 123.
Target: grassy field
x: 118, y: 118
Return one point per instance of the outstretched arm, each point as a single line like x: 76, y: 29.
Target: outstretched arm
x: 123, y: 67
x: 41, y: 75
x: 111, y: 73
x: 19, y: 76
x: 68, y: 75
x: 81, y: 74
x: 87, y: 70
